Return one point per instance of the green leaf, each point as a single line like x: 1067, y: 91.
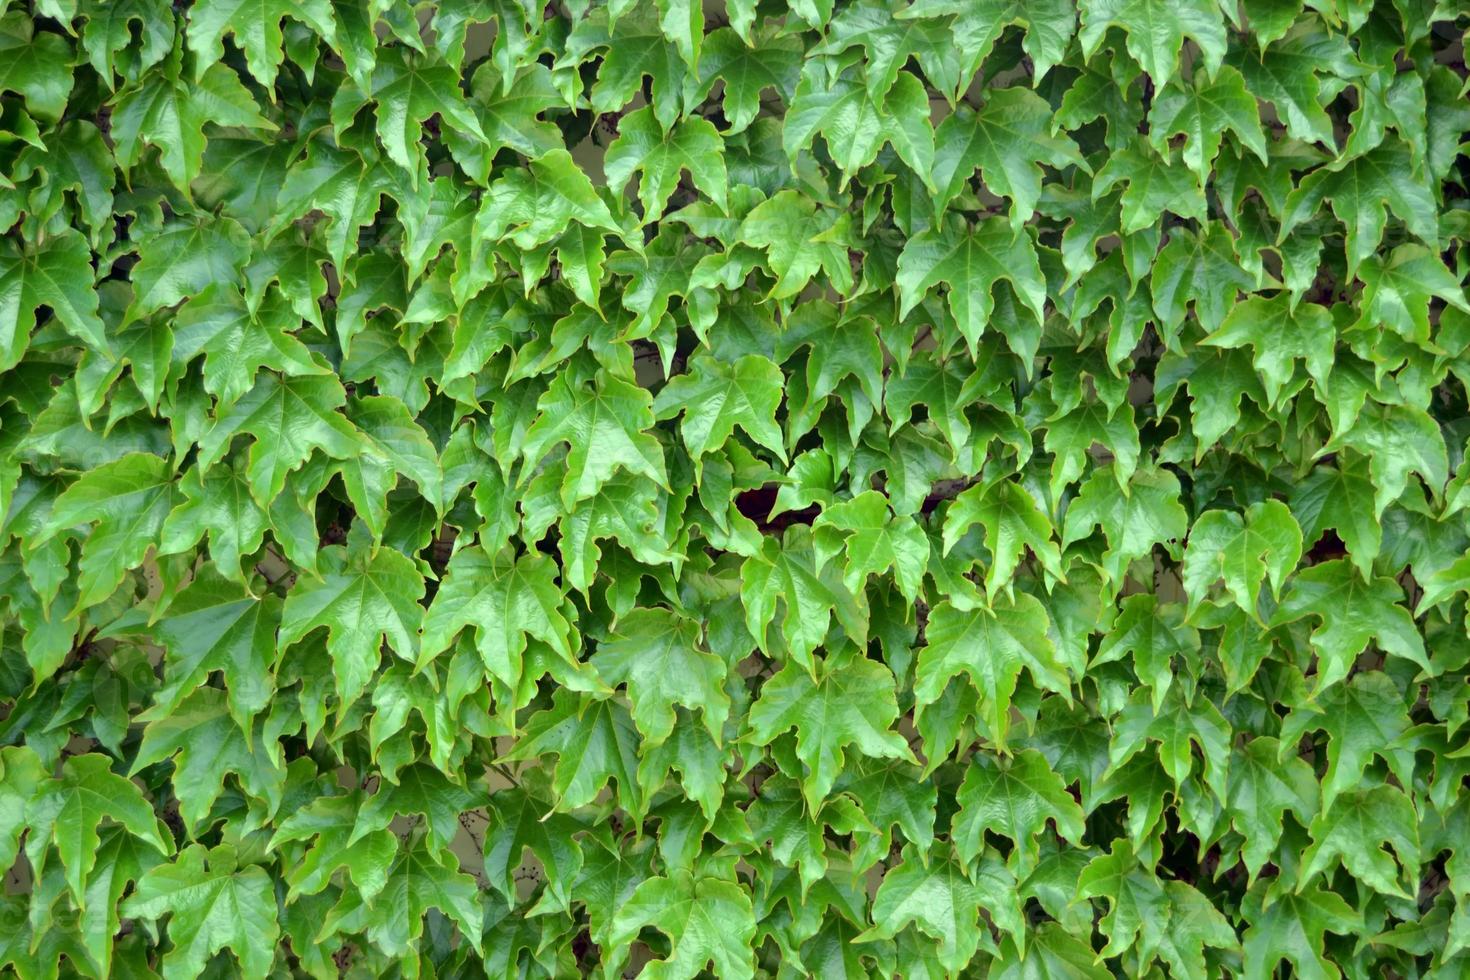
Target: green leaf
x: 706, y: 915
x: 1354, y: 831
x: 715, y: 397
x: 991, y: 646
x: 1013, y: 798
x: 1352, y: 613
x: 855, y: 126
x: 847, y: 701
x: 1013, y: 524
x: 1156, y: 31
x: 970, y: 260
x: 656, y: 654
x: 256, y: 28
x: 57, y: 275
x: 1246, y: 551
x: 212, y: 904
x: 873, y: 542
x: 643, y: 147
x: 364, y: 598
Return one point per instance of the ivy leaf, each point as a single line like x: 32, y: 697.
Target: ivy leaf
x: 521, y: 823
x: 656, y: 653
x: 1133, y: 523
x: 1354, y: 831
x: 874, y: 542
x: 1013, y: 798
x: 944, y: 900
x: 1291, y: 927
x: 68, y: 809
x: 364, y: 598
x: 715, y: 397
x: 1280, y: 335
x: 128, y: 499
x: 1363, y: 717
x: 1153, y: 184
x: 1049, y: 26
x: 747, y: 70
x: 594, y: 741
x: 643, y: 146
x: 1156, y: 31
x: 1013, y: 525
x: 329, y: 822
x: 1397, y: 440
x: 1007, y: 140
x: 1201, y: 112
x: 536, y: 205
x: 1353, y: 613
x: 991, y: 645
x: 1246, y: 551
x: 855, y: 126
x: 1359, y: 190
x: 288, y: 419
x: 706, y: 915
x: 256, y: 28
x: 603, y: 426
x: 785, y: 226
x: 970, y: 260
x: 847, y: 700
x: 169, y: 112
x: 406, y: 90
x: 212, y: 904
x: 811, y: 594
x: 506, y: 599
x: 1266, y: 782
x: 57, y: 275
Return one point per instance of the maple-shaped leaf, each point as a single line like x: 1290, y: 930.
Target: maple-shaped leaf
x: 1280, y: 335
x: 603, y: 424
x: 855, y: 126
x: 56, y: 274
x: 990, y: 645
x: 329, y: 822
x: 168, y: 111
x: 255, y: 26
x: 847, y: 701
x: 1071, y: 435
x: 184, y: 259
x: 1138, y: 909
x: 398, y: 447
x: 1353, y: 612
x: 1155, y: 637
x: 365, y: 597
x: 1265, y: 783
x: 1245, y: 551
x: 424, y: 791
x: 1155, y: 31
x: 421, y: 878
x: 507, y: 599
x: 704, y: 911
x: 1007, y: 140
x: 1291, y: 926
x: 128, y: 501
x: 67, y: 810
x: 520, y: 822
x: 626, y: 508
x: 656, y: 654
x: 1199, y: 270
x: 1133, y: 523
x: 811, y: 593
x: 236, y: 341
x: 1341, y: 498
x: 971, y: 260
x: 1397, y: 440
x: 205, y: 745
x: 889, y: 42
x: 36, y: 66
x: 639, y: 49
x: 978, y: 24
x: 1399, y: 289
x: 405, y: 90
x: 714, y: 397
x: 1363, y: 718
x: 1201, y: 111
x: 1013, y: 798
x: 1177, y: 725
x: 594, y: 741
x: 212, y: 903
x: 798, y: 243
x: 943, y: 898
x: 746, y: 70
x: 215, y: 624
x: 1153, y: 183
x: 1359, y: 190
x: 873, y: 541
x: 1013, y: 524
x: 1285, y: 74
x: 644, y: 147
x: 287, y: 418
x: 1355, y: 830
x: 535, y: 204
x: 218, y: 504
x: 343, y: 185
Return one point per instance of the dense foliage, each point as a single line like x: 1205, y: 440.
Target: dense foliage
x: 838, y: 488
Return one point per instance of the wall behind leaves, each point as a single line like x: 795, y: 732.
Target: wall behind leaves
x: 837, y: 488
